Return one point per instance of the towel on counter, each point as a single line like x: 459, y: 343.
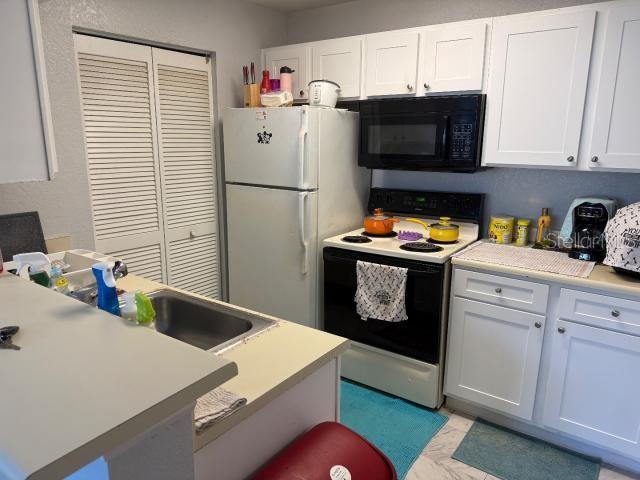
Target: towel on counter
x: 214, y: 406
x: 381, y: 292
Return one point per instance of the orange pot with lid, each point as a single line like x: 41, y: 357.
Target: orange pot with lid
x: 379, y: 223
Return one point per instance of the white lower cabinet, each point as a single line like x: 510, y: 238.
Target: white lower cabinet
x: 593, y: 388
x: 493, y: 356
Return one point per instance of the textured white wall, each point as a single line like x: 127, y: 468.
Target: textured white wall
x: 234, y: 29
x: 521, y: 192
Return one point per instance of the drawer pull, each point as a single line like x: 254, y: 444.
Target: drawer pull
x: 615, y: 313
x: 538, y: 324
x: 561, y: 330
x: 498, y: 290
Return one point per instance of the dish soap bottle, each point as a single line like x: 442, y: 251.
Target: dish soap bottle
x: 544, y: 223
x: 107, y: 295
x: 58, y: 281
x: 129, y: 310
x: 36, y: 264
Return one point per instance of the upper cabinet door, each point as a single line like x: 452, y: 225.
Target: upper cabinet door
x: 615, y: 142
x: 391, y: 63
x: 296, y: 58
x: 453, y: 58
x: 539, y: 70
x: 339, y: 61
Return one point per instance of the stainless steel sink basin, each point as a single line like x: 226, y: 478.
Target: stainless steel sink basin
x: 201, y: 323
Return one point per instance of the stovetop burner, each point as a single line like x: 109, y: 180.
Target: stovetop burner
x: 356, y: 239
x: 391, y: 234
x: 424, y: 247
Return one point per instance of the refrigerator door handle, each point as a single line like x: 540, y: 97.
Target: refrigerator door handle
x: 302, y: 136
x: 302, y: 217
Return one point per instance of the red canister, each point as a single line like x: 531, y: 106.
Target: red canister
x: 265, y: 85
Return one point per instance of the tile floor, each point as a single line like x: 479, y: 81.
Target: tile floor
x: 435, y: 462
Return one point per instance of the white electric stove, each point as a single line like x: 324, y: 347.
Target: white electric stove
x: 402, y: 358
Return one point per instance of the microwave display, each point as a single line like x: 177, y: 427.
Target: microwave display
x: 440, y: 133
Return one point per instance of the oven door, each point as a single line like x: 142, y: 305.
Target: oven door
x: 409, y: 141
x: 418, y: 337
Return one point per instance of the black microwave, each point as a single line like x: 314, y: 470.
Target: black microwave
x: 442, y: 133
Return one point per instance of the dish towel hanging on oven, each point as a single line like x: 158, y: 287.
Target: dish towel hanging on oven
x: 381, y: 292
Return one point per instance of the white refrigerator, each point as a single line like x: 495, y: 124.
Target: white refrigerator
x: 292, y: 180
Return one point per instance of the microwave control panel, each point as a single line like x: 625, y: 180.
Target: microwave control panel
x: 462, y: 139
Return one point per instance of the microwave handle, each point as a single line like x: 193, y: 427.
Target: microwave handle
x: 445, y: 138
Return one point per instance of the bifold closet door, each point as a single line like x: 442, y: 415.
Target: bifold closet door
x: 187, y: 164
x: 118, y: 107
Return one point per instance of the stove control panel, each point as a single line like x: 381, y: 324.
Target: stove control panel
x: 463, y: 206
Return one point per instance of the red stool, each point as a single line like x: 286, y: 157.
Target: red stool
x: 329, y: 451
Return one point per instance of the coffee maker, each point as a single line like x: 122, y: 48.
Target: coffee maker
x: 589, y: 222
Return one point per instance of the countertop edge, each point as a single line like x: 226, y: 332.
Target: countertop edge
x: 210, y: 435
x: 137, y: 425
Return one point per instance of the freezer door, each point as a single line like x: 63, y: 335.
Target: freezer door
x: 270, y: 146
x: 272, y: 245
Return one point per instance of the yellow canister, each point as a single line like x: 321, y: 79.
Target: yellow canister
x: 501, y: 228
x: 522, y: 232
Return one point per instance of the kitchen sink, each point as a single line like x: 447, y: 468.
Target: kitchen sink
x: 204, y: 324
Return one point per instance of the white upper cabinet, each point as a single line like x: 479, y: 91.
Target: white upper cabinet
x: 339, y: 61
x: 537, y: 87
x: 391, y: 63
x: 615, y: 142
x: 26, y: 131
x: 453, y: 57
x: 295, y: 57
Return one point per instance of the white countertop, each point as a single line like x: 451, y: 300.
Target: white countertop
x: 269, y: 363
x: 85, y: 381
x: 602, y: 277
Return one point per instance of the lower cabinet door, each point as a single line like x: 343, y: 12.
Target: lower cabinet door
x: 493, y: 356
x: 593, y: 391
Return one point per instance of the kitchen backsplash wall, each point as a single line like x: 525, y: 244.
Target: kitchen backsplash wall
x: 521, y: 192
x: 236, y: 30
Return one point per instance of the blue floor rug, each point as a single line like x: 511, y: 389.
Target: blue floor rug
x: 511, y: 456
x: 399, y: 428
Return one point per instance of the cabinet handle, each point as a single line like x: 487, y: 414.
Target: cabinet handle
x: 302, y: 93
x: 498, y: 290
x: 538, y: 324
x: 409, y: 87
x: 615, y: 313
x: 561, y: 330
x: 426, y: 86
x: 594, y: 159
x: 570, y: 158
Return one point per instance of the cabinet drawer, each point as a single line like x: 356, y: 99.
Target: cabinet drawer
x: 503, y: 291
x: 600, y: 311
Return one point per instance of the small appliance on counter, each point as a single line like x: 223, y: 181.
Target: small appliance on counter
x: 587, y: 222
x: 622, y: 235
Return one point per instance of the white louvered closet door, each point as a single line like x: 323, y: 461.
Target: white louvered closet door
x: 118, y: 106
x: 187, y: 163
